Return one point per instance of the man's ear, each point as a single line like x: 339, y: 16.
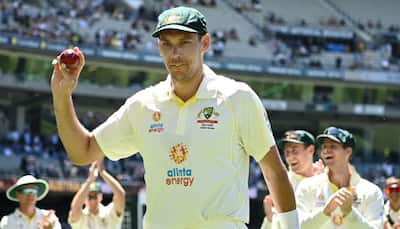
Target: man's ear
x: 349, y: 151
x: 311, y: 149
x: 205, y: 42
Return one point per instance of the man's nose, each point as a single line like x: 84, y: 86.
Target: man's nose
x: 177, y: 50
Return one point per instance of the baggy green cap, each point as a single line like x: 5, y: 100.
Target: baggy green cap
x: 297, y: 136
x: 95, y: 187
x: 338, y: 135
x: 181, y: 18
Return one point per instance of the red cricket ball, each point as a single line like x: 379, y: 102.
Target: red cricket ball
x: 69, y: 59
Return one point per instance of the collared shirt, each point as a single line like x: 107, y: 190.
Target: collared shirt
x: 295, y: 179
x: 107, y: 218
x: 314, y: 192
x: 195, y: 153
x: 394, y: 215
x: 18, y: 220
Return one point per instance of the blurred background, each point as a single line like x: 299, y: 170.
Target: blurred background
x: 315, y: 63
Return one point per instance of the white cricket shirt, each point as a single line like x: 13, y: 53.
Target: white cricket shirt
x: 394, y: 215
x: 313, y: 193
x: 107, y: 218
x: 195, y: 153
x: 18, y: 220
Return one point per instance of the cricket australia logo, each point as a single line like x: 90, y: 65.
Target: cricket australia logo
x: 207, y: 118
x: 178, y: 153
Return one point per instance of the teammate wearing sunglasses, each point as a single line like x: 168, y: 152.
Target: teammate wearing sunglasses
x: 27, y: 191
x: 392, y: 206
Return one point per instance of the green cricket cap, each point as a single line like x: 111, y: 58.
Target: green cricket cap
x: 341, y: 136
x: 181, y: 18
x: 95, y: 187
x: 297, y: 136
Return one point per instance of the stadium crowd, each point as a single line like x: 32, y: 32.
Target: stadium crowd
x: 118, y: 25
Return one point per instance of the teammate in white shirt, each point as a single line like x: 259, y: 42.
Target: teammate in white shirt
x: 339, y: 197
x: 95, y: 215
x: 392, y: 206
x: 195, y: 132
x: 27, y: 191
x: 298, y: 147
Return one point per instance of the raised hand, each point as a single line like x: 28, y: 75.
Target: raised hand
x: 93, y: 172
x: 318, y: 167
x: 343, y: 199
x: 48, y: 221
x: 64, y: 80
x: 100, y: 164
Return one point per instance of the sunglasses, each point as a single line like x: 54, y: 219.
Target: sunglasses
x: 390, y: 190
x: 29, y: 191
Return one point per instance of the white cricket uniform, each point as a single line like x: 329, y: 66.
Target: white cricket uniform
x: 107, y: 218
x: 295, y: 180
x: 18, y: 220
x: 394, y: 215
x: 195, y: 153
x: 314, y: 192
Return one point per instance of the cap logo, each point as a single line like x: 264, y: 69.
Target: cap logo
x: 171, y: 19
x: 292, y: 136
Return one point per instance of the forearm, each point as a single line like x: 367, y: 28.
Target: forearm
x: 80, y: 196
x: 357, y: 220
x: 117, y: 189
x: 78, y: 202
x: 313, y: 220
x: 278, y: 182
x: 115, y: 186
x: 73, y: 135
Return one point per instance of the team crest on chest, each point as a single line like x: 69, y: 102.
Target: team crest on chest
x: 207, y: 118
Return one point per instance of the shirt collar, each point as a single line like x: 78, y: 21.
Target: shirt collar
x: 19, y: 213
x: 354, y: 176
x: 205, y: 91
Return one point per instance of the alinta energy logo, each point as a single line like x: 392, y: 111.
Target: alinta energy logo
x: 157, y: 126
x: 207, y: 118
x: 179, y: 176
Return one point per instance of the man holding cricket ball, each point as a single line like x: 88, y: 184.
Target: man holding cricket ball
x: 195, y: 132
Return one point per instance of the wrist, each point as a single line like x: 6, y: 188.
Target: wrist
x: 288, y: 219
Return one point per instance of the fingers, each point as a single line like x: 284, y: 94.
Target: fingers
x: 268, y: 201
x: 81, y: 56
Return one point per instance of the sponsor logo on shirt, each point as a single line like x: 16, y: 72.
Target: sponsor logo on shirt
x: 158, y: 126
x: 320, y: 200
x: 178, y: 153
x: 207, y: 118
x: 179, y: 176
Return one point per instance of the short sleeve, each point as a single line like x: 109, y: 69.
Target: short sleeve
x: 254, y: 125
x: 116, y: 136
